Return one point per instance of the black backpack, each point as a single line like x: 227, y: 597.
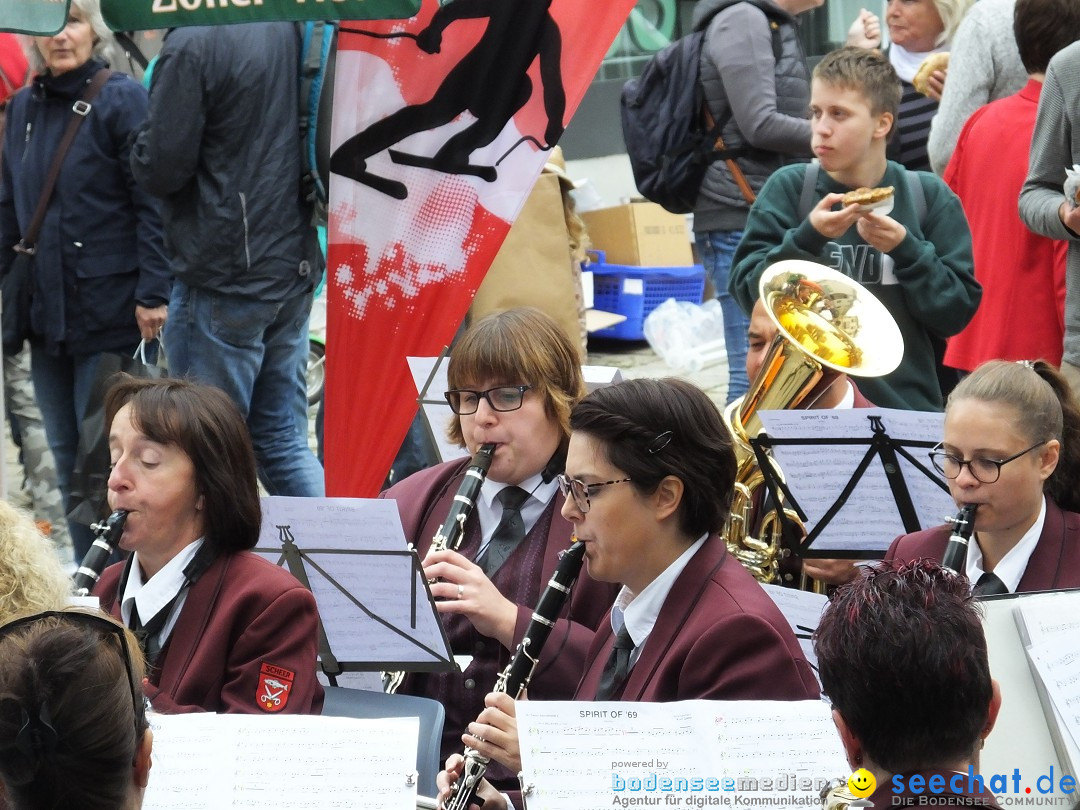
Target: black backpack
x: 668, y: 135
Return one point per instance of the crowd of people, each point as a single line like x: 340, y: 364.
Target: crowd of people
x: 170, y: 221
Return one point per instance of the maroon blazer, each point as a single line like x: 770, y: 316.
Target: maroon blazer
x: 1054, y: 564
x: 245, y: 642
x: 718, y: 636
x: 424, y: 500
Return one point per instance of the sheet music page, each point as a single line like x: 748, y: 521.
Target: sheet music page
x: 366, y: 601
x: 1057, y: 662
x: 689, y: 754
x: 1046, y: 616
x: 870, y: 520
x: 299, y: 762
x: 803, y: 610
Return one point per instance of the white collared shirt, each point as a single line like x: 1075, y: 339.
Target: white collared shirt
x: 639, y: 613
x: 489, y: 510
x: 1010, y: 569
x: 154, y: 594
x: 848, y: 402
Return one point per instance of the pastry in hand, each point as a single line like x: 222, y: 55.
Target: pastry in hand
x: 869, y: 199
x: 932, y: 63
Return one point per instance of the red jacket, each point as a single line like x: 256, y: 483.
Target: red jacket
x: 718, y: 636
x: 246, y: 637
x: 1054, y: 564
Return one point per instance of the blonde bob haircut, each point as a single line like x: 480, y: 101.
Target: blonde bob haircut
x: 32, y: 578
x: 952, y: 13
x: 520, y: 346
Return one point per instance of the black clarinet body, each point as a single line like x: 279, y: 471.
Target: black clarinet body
x: 515, y: 677
x: 452, y: 531
x: 105, y: 543
x: 954, y: 560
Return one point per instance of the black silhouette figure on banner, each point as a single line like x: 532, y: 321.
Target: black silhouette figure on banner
x: 490, y: 82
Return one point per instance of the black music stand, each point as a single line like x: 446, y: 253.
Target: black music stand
x: 336, y: 576
x: 880, y: 445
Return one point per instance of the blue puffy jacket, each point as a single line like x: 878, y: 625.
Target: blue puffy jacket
x: 100, y: 251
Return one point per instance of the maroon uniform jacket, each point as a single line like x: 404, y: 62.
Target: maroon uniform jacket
x: 1054, y: 564
x: 718, y: 636
x: 424, y: 500
x: 246, y: 641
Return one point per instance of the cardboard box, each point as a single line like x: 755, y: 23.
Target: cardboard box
x: 640, y: 233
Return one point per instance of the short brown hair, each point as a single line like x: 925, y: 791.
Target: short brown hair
x: 865, y: 71
x: 651, y: 429
x: 205, y: 423
x: 523, y: 346
x: 1042, y: 28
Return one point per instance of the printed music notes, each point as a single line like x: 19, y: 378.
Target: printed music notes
x: 236, y: 762
x: 688, y: 754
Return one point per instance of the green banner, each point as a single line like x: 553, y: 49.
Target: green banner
x: 43, y: 17
x: 136, y: 15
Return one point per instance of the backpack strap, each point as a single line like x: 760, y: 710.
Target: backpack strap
x: 918, y: 196
x: 809, y: 186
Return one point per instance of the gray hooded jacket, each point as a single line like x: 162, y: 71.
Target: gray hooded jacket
x: 767, y: 98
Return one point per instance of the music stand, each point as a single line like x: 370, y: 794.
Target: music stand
x: 376, y: 612
x: 879, y: 445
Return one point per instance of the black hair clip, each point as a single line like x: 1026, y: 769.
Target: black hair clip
x: 660, y: 442
x: 37, y: 738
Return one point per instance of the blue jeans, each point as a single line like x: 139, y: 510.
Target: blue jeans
x: 717, y: 249
x: 256, y: 351
x: 63, y: 386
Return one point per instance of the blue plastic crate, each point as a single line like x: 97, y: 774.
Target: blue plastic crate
x: 637, y: 291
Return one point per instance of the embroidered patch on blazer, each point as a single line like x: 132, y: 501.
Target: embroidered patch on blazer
x: 275, y: 686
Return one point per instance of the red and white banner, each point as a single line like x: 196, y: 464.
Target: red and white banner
x: 441, y: 125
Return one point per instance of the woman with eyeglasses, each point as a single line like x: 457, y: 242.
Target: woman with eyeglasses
x: 222, y: 629
x: 650, y: 472
x: 514, y: 376
x: 73, y: 727
x: 1012, y: 449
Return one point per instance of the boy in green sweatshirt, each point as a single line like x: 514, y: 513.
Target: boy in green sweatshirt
x: 915, y: 259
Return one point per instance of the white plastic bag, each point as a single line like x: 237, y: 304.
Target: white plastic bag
x: 688, y: 337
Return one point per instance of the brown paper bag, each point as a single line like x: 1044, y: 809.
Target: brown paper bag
x: 533, y: 267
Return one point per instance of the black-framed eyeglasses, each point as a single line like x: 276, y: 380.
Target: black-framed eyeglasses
x: 580, y: 491
x: 501, y: 398
x: 984, y: 470
x: 102, y: 625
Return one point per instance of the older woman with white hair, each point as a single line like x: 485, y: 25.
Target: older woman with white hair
x: 100, y: 276
x: 917, y: 30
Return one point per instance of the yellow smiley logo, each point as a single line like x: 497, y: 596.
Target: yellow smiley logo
x: 862, y: 783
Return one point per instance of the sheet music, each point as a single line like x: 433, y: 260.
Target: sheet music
x: 437, y: 412
x: 803, y: 610
x: 1057, y: 662
x: 1049, y: 628
x: 590, y: 755
x: 375, y: 606
x: 299, y: 762
x: 870, y: 520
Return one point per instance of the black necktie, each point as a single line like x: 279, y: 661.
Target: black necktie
x: 989, y: 585
x: 509, y: 532
x: 149, y: 634
x: 617, y: 667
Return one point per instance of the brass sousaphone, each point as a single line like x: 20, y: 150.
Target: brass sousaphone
x: 828, y: 325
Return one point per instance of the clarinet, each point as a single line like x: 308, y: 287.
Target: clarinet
x: 515, y: 677
x: 452, y: 531
x: 105, y: 543
x: 954, y: 560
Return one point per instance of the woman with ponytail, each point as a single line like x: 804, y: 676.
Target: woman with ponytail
x: 1012, y: 449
